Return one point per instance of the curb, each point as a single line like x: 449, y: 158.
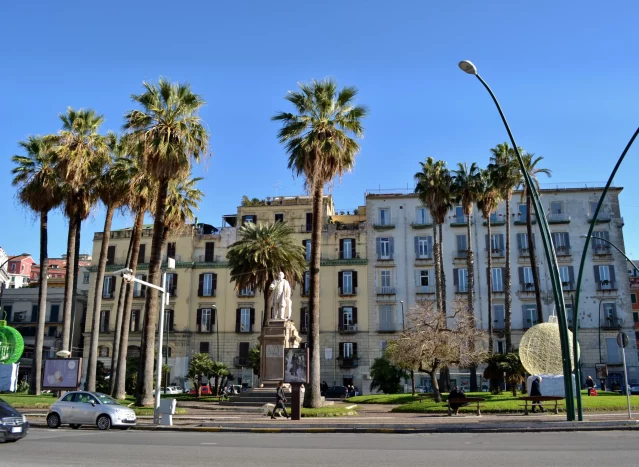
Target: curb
x: 408, y: 429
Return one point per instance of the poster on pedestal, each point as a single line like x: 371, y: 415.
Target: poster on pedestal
x: 296, y: 366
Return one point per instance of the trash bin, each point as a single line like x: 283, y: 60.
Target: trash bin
x: 167, y: 410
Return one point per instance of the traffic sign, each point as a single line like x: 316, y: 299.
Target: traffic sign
x: 622, y: 340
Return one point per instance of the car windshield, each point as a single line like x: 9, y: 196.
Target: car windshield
x: 108, y: 400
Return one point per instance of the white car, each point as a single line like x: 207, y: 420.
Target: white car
x: 171, y: 390
x: 79, y: 408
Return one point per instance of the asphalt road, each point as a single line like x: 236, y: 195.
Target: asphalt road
x: 64, y: 447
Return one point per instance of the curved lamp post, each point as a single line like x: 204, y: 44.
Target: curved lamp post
x: 549, y: 250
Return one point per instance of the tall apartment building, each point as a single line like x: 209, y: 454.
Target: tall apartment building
x: 19, y: 269
x: 207, y: 314
x: 401, y: 269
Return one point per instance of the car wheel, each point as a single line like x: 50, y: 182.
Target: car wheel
x: 53, y: 420
x: 104, y: 422
x: 75, y: 426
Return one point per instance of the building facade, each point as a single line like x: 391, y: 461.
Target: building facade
x: 19, y: 269
x: 401, y: 269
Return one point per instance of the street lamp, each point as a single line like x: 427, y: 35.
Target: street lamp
x: 470, y: 68
x: 402, y: 303
x: 217, y: 333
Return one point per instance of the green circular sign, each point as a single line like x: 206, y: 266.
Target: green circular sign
x: 11, y: 345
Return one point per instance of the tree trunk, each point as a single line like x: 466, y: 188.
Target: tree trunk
x: 97, y: 301
x: 312, y: 396
x: 435, y: 384
x: 145, y: 384
x: 68, y: 284
x: 267, y: 296
x: 514, y: 388
x: 533, y: 260
x: 36, y: 369
x: 412, y: 381
x: 117, y: 334
x: 507, y: 289
x: 490, y: 288
x: 217, y: 380
x: 470, y: 263
x: 76, y: 273
x: 438, y: 277
x: 120, y: 388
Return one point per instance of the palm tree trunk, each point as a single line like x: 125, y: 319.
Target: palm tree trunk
x: 97, y: 301
x: 76, y: 273
x: 508, y: 292
x: 36, y: 370
x: 117, y: 334
x: 144, y: 396
x: 438, y: 277
x: 68, y: 284
x: 533, y: 259
x: 267, y: 296
x: 444, y: 373
x: 312, y: 396
x: 470, y: 264
x: 120, y: 387
x: 490, y: 288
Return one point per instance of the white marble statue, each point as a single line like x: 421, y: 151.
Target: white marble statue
x: 282, y: 306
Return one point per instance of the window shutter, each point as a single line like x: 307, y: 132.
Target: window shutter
x: 500, y: 241
x: 606, y: 235
x: 571, y: 274
x: 137, y: 321
x: 199, y: 320
x: 353, y: 242
x: 429, y: 241
x: 521, y: 275
x: 143, y: 287
x: 503, y: 278
x: 214, y: 283
x: 341, y: 349
x: 340, y: 279
x: 209, y: 250
x: 340, y: 318
x: 111, y: 255
x: 488, y: 275
x: 175, y: 278
x: 141, y: 253
x: 455, y: 276
x: 521, y: 242
x: 391, y: 242
x: 355, y: 279
x: 34, y: 313
x: 611, y: 270
x: 200, y: 285
x: 567, y: 237
x: 244, y: 349
x: 8, y: 310
x: 113, y: 282
x: 171, y: 320
x: 238, y: 319
x: 106, y: 321
x: 341, y: 248
x: 378, y: 247
x: 354, y: 349
x: 354, y: 315
x: 596, y: 268
x: 213, y: 315
x: 487, y: 244
x: 170, y: 250
x: 252, y: 317
x: 418, y: 278
x: 417, y: 247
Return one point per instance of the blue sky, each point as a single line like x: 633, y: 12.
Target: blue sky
x: 565, y: 72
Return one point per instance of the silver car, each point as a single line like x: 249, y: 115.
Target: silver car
x: 79, y: 408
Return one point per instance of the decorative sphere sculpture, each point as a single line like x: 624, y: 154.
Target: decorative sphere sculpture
x: 11, y: 344
x: 540, y: 349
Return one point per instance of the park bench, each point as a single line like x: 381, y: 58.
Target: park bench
x: 465, y: 400
x: 424, y: 395
x: 531, y: 399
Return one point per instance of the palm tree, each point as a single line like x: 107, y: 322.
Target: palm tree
x: 36, y: 177
x: 171, y: 134
x: 262, y: 252
x: 487, y: 202
x: 530, y: 163
x: 217, y: 370
x: 81, y: 154
x: 506, y: 176
x: 112, y: 187
x: 320, y: 141
x: 466, y: 188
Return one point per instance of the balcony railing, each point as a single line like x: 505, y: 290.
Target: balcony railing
x: 385, y: 290
x: 602, y: 217
x: 239, y: 362
x: 524, y: 252
x: 108, y: 295
x: 567, y: 286
x: 529, y: 322
x: 426, y: 256
x: 173, y: 292
x: 521, y: 220
x: 612, y: 322
x: 385, y: 224
x: 347, y: 291
x: 499, y: 325
x: 246, y: 293
x: 562, y: 250
x: 601, y: 250
x: 348, y: 362
x: 558, y: 218
x: 606, y: 285
x: 461, y: 254
x: 461, y: 288
x: 497, y: 253
x: 139, y: 293
x: 422, y: 223
x: 208, y: 293
x: 207, y: 259
x: 387, y: 327
x: 496, y: 219
x: 459, y: 221
x: 348, y: 328
x: 385, y: 257
x: 527, y: 287
x: 498, y: 289
x: 348, y: 255
x: 425, y: 289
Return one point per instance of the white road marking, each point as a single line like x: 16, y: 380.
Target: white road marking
x: 208, y: 444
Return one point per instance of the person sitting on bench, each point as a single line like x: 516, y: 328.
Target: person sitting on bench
x: 536, y: 391
x: 456, y: 393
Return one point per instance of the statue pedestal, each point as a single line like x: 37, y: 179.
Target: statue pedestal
x: 277, y: 335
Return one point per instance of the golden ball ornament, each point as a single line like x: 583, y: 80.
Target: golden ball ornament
x: 540, y: 349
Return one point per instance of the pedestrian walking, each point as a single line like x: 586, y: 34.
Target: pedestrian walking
x: 590, y: 384
x: 280, y: 400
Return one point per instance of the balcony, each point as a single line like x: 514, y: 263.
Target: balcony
x: 524, y: 253
x: 425, y: 289
x: 246, y: 293
x: 529, y: 322
x: 461, y: 288
x: 385, y: 290
x: 207, y: 259
x: 459, y: 221
x: 427, y: 257
x: 384, y: 224
x: 306, y: 228
x: 348, y: 362
x: 387, y: 327
x: 521, y: 220
x: 173, y: 292
x: 527, y: 288
x: 606, y: 286
x: 347, y: 291
x: 420, y: 224
x: 346, y: 255
x: 558, y: 218
x: 567, y: 286
x: 601, y: 250
x: 499, y: 325
x: 240, y: 362
x: 496, y: 219
x: 460, y: 254
x: 108, y: 295
x: 208, y: 293
x: 385, y: 258
x: 612, y: 322
x: 562, y: 251
x: 498, y: 290
x: 348, y: 328
x: 497, y: 253
x: 602, y: 217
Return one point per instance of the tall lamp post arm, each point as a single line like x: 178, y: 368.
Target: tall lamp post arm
x: 575, y: 311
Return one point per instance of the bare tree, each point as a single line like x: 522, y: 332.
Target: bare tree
x: 431, y: 341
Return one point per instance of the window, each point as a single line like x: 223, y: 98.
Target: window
x: 104, y: 351
x: 386, y: 318
x: 421, y: 217
x: 522, y: 212
x: 593, y: 207
x: 385, y: 278
x: 614, y: 352
x: 164, y: 352
x: 530, y: 315
x: 279, y: 217
x: 424, y: 278
x: 498, y: 283
x: 499, y: 317
x: 138, y: 289
x: 529, y: 283
x: 556, y: 207
x: 204, y: 347
x: 134, y: 325
x: 348, y: 350
x: 85, y: 278
x: 245, y: 320
x: 384, y: 248
x: 207, y: 285
x: 68, y: 397
x: 569, y: 314
x: 169, y: 322
x: 462, y: 280
x: 170, y: 250
x: 494, y: 217
x: 250, y: 218
x: 564, y: 274
x: 347, y: 316
x: 171, y: 283
x: 459, y: 215
x: 347, y: 282
x: 141, y: 253
x: 209, y: 252
x: 110, y: 255
x: 307, y: 246
x: 561, y: 242
x: 205, y: 319
x: 500, y: 347
x: 422, y: 247
x: 462, y: 245
x: 104, y: 321
x: 347, y: 248
x: 633, y: 298
x: 247, y: 291
x: 309, y: 221
x: 384, y: 216
x: 55, y: 313
x: 13, y: 267
x: 52, y: 331
x: 604, y: 275
x: 599, y: 242
x: 108, y: 287
x: 610, y: 314
x: 307, y: 282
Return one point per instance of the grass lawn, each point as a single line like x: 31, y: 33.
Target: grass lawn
x: 501, y: 403
x: 329, y: 411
